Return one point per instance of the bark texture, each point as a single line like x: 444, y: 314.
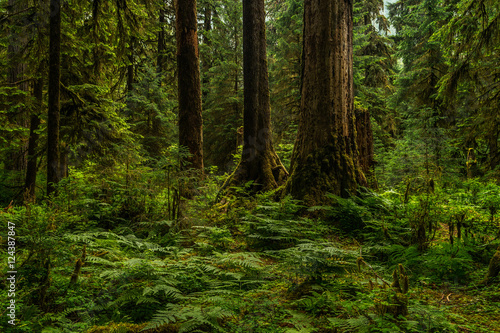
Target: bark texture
x: 325, y: 154
x: 190, y: 119
x: 259, y: 162
x: 31, y: 169
x: 53, y: 169
x: 494, y: 267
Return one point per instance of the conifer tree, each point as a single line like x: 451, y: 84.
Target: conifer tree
x: 259, y: 162
x: 325, y: 153
x: 190, y: 119
x: 53, y: 168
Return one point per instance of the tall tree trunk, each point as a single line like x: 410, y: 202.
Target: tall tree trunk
x: 325, y: 154
x: 259, y: 162
x: 97, y: 50
x: 130, y: 67
x: 190, y: 120
x: 160, y: 60
x: 53, y: 170
x: 31, y: 169
x: 493, y: 154
x: 364, y: 142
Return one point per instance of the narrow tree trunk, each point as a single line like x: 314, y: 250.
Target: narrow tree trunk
x: 364, y: 142
x: 31, y: 169
x: 493, y: 154
x: 53, y: 174
x: 189, y: 86
x: 130, y: 67
x: 325, y: 154
x: 63, y: 160
x: 259, y: 162
x: 160, y: 62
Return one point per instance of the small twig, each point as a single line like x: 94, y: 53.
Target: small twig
x: 16, y: 13
x: 373, y: 271
x: 12, y: 84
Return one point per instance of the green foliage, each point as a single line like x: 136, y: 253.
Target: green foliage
x: 150, y: 112
x: 285, y: 61
x: 222, y: 56
x: 119, y: 249
x: 312, y: 260
x: 192, y: 318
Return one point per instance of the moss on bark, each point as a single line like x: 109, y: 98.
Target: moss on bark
x: 325, y: 157
x: 259, y: 162
x: 494, y: 267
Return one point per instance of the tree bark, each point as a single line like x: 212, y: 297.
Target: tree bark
x: 259, y: 162
x: 53, y: 170
x: 31, y: 169
x: 160, y: 62
x: 189, y: 86
x: 325, y: 157
x: 364, y: 142
x: 130, y: 66
x: 493, y: 154
x: 494, y: 267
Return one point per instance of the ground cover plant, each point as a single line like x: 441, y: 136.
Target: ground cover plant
x: 255, y: 264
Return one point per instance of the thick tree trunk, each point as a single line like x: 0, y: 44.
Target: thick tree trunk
x: 259, y: 162
x: 31, y: 169
x: 190, y: 120
x: 325, y: 154
x: 53, y: 170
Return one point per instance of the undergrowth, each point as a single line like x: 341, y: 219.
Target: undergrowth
x: 115, y: 256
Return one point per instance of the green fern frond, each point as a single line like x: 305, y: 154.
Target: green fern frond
x: 100, y: 260
x: 162, y: 317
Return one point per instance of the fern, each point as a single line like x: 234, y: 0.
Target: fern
x: 192, y: 318
x: 244, y: 260
x: 102, y: 261
x: 313, y: 259
x: 163, y: 286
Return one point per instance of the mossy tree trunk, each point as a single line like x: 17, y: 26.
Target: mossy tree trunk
x: 494, y: 267
x: 325, y: 154
x: 259, y: 162
x: 189, y: 85
x: 53, y: 168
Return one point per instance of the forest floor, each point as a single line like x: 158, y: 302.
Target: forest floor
x: 252, y: 265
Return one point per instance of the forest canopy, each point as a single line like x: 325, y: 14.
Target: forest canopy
x: 250, y: 166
